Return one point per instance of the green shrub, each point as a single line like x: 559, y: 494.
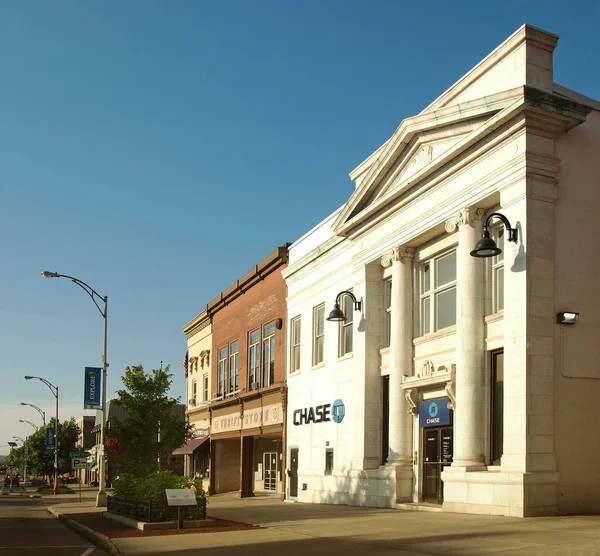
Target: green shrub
x: 153, y: 487
x: 45, y: 489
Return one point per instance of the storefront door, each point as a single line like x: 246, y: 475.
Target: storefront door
x: 270, y: 471
x: 294, y: 472
x: 438, y: 449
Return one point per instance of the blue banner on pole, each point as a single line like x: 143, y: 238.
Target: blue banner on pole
x: 91, y: 396
x: 50, y: 438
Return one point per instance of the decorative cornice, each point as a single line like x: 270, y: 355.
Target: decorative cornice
x: 466, y: 216
x: 450, y: 388
x: 397, y: 254
x: 412, y: 398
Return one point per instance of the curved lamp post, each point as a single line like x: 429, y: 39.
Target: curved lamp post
x: 25, y: 453
x: 94, y: 295
x: 42, y: 413
x: 54, y: 390
x: 28, y: 422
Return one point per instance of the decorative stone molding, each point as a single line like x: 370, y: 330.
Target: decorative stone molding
x: 427, y: 370
x: 193, y: 363
x: 450, y: 388
x: 205, y: 358
x: 465, y: 216
x: 397, y: 254
x: 412, y: 398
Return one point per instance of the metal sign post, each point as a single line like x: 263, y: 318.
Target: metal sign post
x: 180, y: 497
x: 79, y: 461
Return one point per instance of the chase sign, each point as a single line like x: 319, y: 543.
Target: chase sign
x: 320, y: 414
x: 434, y: 413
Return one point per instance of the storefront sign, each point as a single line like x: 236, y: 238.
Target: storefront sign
x: 253, y: 418
x: 320, y: 414
x: 434, y: 413
x: 91, y: 395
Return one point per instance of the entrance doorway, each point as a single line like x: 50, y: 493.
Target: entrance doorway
x: 438, y: 451
x: 270, y: 471
x: 294, y: 472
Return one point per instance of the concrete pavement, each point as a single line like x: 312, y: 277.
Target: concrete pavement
x: 297, y: 529
x: 28, y: 529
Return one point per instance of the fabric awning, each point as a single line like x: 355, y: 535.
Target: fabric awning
x: 191, y: 445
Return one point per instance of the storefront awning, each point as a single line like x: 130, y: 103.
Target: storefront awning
x: 191, y: 445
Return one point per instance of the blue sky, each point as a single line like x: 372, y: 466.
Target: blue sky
x: 158, y: 150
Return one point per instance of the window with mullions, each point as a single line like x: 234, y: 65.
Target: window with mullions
x: 498, y: 271
x: 222, y: 370
x: 438, y: 293
x: 233, y: 366
x: 318, y: 334
x: 268, y: 354
x: 253, y: 359
x: 345, y: 327
x: 194, y: 391
x: 387, y: 300
x: 295, y: 345
x: 205, y: 388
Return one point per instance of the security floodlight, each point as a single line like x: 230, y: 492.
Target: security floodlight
x: 566, y: 317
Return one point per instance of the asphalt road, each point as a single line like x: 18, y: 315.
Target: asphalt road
x: 28, y: 529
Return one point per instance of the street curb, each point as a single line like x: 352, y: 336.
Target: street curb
x: 97, y: 538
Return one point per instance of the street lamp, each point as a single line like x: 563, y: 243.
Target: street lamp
x: 42, y: 413
x: 28, y: 422
x: 94, y: 295
x: 486, y: 246
x: 337, y: 314
x: 54, y: 390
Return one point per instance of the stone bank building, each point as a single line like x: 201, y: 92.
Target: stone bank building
x: 443, y: 377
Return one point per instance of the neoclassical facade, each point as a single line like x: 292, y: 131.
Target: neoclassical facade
x: 456, y: 380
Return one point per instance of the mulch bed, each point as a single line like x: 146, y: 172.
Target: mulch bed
x: 115, y: 530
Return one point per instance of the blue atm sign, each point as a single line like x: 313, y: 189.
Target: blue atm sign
x: 434, y: 413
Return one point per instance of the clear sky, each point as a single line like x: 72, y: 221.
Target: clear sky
x: 159, y: 150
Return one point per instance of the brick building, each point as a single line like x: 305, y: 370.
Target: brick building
x: 248, y: 398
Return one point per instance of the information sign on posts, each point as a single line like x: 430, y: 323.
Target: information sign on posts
x: 180, y: 497
x: 78, y: 463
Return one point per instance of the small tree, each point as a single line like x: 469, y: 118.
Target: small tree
x: 134, y: 443
x: 40, y: 460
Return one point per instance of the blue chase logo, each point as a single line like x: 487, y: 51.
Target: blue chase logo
x: 338, y: 411
x: 433, y: 410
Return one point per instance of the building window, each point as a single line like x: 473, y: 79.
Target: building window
x: 318, y: 334
x: 438, y: 293
x: 387, y: 305
x: 345, y: 327
x: 253, y: 359
x: 222, y: 370
x: 295, y: 345
x: 497, y: 420
x: 233, y: 366
x: 328, y: 461
x: 385, y: 419
x: 205, y: 388
x: 194, y: 391
x: 498, y: 271
x: 268, y: 354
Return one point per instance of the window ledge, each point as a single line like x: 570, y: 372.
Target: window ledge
x: 384, y: 351
x: 319, y: 366
x: 494, y: 317
x: 345, y: 357
x: 435, y: 335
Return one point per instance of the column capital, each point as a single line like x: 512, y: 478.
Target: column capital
x: 464, y: 216
x: 398, y: 253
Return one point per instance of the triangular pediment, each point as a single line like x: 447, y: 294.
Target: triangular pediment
x: 453, y: 123
x: 419, y: 145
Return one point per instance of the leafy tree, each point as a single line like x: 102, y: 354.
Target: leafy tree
x: 40, y: 459
x: 134, y: 444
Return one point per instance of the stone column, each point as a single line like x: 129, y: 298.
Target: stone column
x: 470, y: 342
x: 401, y: 360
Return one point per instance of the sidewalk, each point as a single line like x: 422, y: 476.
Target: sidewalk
x: 298, y: 529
